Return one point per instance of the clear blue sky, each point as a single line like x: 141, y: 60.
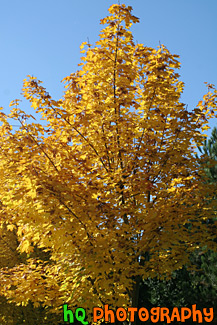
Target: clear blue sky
x: 42, y: 38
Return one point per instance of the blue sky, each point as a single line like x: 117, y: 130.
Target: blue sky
x: 42, y: 38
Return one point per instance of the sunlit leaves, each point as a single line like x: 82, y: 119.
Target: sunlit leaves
x: 109, y: 178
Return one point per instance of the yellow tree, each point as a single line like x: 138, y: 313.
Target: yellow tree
x: 109, y: 181
x: 9, y: 312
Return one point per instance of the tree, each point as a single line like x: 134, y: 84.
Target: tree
x: 9, y: 312
x: 109, y: 181
x: 209, y: 154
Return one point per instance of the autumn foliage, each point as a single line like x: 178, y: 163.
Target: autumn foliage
x: 108, y: 183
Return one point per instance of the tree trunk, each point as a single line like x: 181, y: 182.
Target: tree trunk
x: 135, y: 298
